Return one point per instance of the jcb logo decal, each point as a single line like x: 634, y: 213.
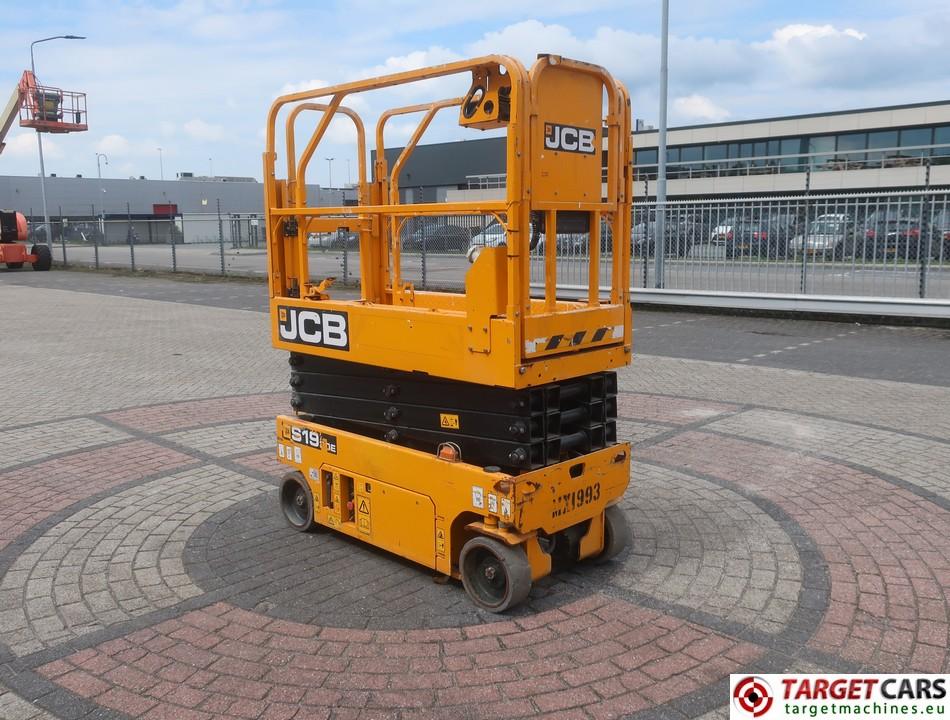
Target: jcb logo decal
x: 314, y: 327
x: 569, y: 138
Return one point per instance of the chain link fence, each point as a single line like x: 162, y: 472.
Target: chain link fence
x: 894, y: 245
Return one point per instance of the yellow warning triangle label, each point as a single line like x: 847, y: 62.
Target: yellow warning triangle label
x: 364, y: 506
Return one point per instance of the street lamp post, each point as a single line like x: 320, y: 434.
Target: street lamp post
x: 329, y: 171
x: 39, y: 135
x: 211, y: 167
x: 161, y: 165
x: 99, y: 157
x: 659, y: 241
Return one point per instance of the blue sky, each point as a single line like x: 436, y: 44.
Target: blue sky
x: 196, y: 77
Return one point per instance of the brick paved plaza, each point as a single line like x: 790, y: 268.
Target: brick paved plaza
x: 782, y: 519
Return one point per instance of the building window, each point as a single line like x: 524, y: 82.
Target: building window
x: 848, y: 144
x: 646, y: 157
x: 915, y: 138
x: 886, y: 139
x: 942, y: 137
x: 711, y: 153
x: 822, y: 152
x: 790, y: 147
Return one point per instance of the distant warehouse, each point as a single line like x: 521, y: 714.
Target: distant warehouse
x: 901, y: 147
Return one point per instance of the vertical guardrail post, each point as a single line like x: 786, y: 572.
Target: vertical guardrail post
x: 220, y: 236
x: 131, y: 233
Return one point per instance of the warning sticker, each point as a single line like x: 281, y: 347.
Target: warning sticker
x: 506, y: 507
x: 478, y: 497
x: 362, y: 515
x: 492, y: 503
x: 297, y: 457
x: 448, y: 421
x: 280, y: 449
x: 314, y: 475
x: 440, y: 541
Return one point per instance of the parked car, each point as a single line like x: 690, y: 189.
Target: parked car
x: 680, y: 233
x: 940, y: 230
x: 494, y: 235
x: 894, y: 231
x: 830, y: 235
x: 440, y: 239
x: 767, y: 235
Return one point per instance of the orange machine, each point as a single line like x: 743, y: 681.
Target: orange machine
x: 45, y: 109
x: 13, y: 253
x: 471, y: 432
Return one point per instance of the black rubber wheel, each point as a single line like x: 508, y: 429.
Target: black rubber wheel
x: 14, y: 266
x: 496, y: 576
x: 616, y: 533
x: 44, y: 258
x: 296, y: 502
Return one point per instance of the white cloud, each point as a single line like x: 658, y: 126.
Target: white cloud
x: 201, y: 130
x: 113, y: 145
x: 24, y: 145
x: 809, y: 33
x: 296, y: 87
x: 698, y: 107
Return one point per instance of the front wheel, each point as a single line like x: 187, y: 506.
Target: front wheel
x: 496, y: 576
x: 616, y: 533
x: 44, y: 258
x: 296, y: 502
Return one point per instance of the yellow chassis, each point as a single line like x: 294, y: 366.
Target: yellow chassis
x: 424, y: 508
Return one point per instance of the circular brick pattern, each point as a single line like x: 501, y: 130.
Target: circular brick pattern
x: 168, y: 585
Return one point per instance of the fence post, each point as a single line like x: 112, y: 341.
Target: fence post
x: 803, y: 283
x: 95, y: 235
x: 923, y: 254
x: 342, y: 234
x: 425, y: 237
x: 131, y: 234
x: 62, y: 234
x: 220, y: 237
x: 171, y: 237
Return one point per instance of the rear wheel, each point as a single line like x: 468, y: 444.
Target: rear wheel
x: 296, y: 502
x: 14, y: 266
x: 44, y: 258
x: 496, y: 576
x: 616, y: 533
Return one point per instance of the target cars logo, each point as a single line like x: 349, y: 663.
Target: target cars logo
x: 819, y: 696
x: 752, y: 696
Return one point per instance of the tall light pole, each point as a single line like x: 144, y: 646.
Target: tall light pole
x: 161, y: 165
x: 99, y: 157
x: 211, y: 167
x: 659, y: 242
x: 39, y: 135
x: 329, y: 171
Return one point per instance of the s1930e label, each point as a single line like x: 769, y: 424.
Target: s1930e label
x: 312, y: 438
x: 570, y: 501
x: 320, y: 328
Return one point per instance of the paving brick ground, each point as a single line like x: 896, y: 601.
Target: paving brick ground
x: 781, y: 519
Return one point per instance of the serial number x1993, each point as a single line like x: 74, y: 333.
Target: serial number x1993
x: 575, y: 499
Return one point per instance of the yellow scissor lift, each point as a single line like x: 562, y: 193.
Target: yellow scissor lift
x: 472, y: 433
